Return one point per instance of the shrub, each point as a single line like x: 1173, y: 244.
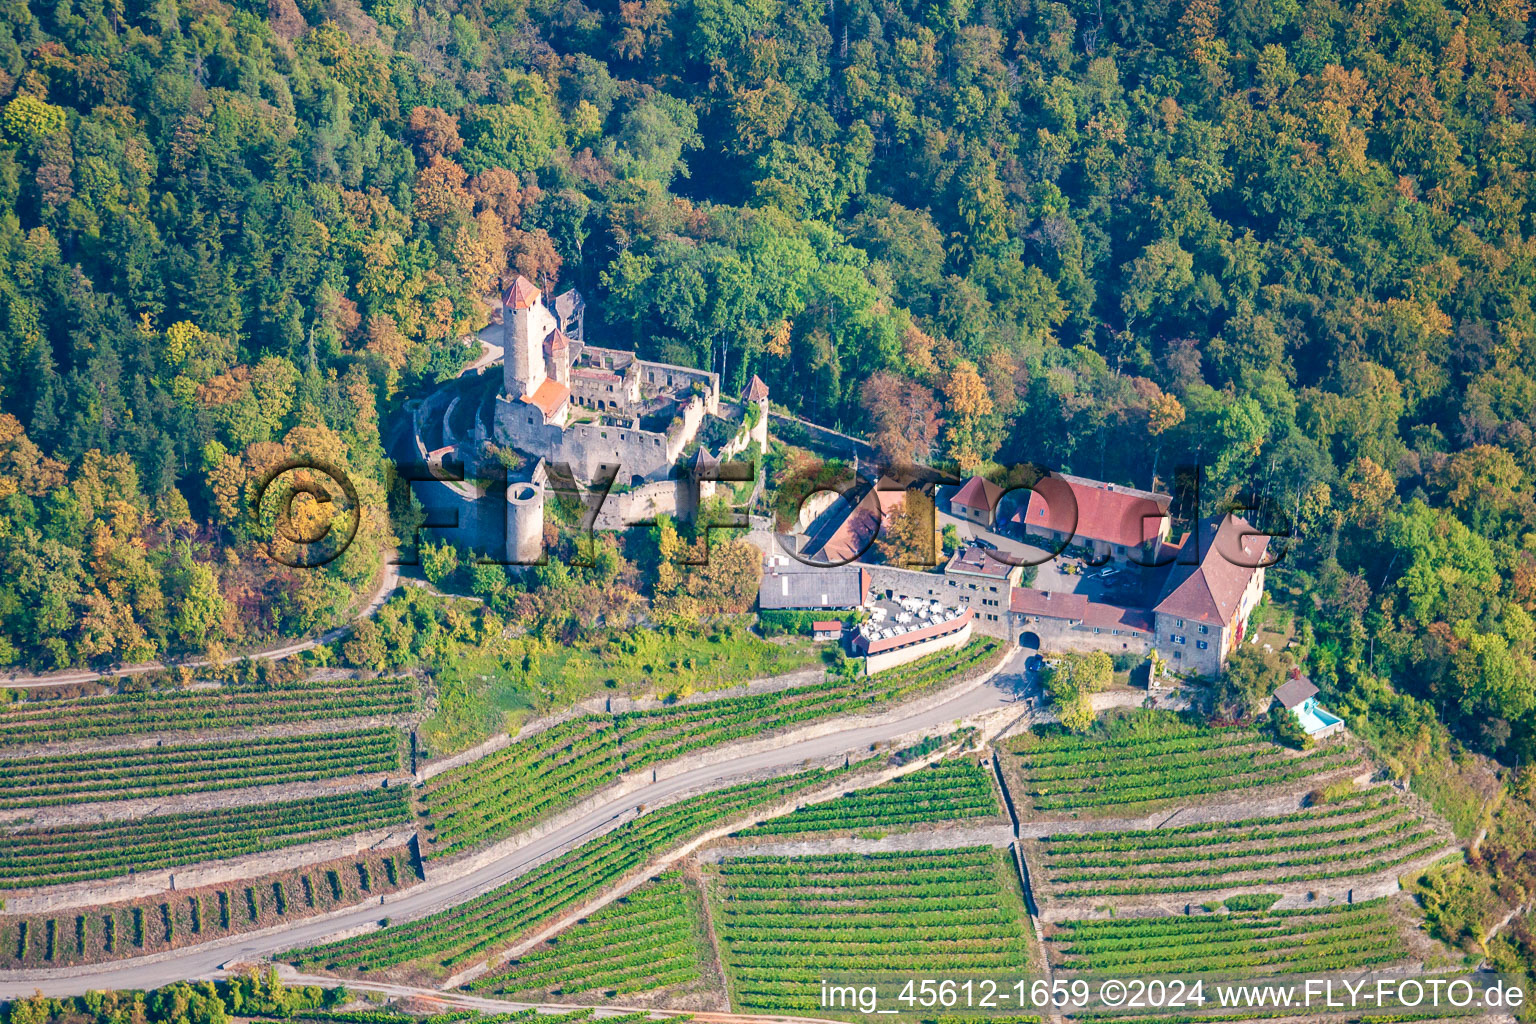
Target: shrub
x: 798, y: 623
x: 1283, y: 728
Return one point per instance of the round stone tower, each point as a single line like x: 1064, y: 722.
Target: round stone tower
x: 525, y: 523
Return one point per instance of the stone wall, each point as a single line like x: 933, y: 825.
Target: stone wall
x: 617, y: 705
x: 890, y: 659
x: 1062, y: 635
x: 693, y: 846
x: 947, y: 838
x: 585, y: 447
x: 634, y: 781
x: 151, y: 883
x: 949, y: 591
x: 844, y: 444
x: 667, y: 377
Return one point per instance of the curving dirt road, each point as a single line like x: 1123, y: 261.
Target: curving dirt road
x: 428, y: 897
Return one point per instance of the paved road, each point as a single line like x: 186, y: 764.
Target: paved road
x: 430, y: 896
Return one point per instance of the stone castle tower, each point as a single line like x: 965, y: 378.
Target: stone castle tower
x: 525, y: 523
x: 526, y: 324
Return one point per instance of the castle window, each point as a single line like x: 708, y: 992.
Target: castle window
x: 1201, y: 644
x: 1204, y: 628
x: 604, y: 434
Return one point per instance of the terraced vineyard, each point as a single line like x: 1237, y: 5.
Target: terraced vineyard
x: 230, y: 706
x: 77, y: 853
x: 194, y: 768
x: 497, y: 795
x: 647, y: 940
x: 1259, y: 942
x: 786, y: 923
x: 189, y: 916
x: 474, y: 930
x: 948, y: 791
x: 531, y: 1015
x: 1137, y: 770
x: 1363, y: 834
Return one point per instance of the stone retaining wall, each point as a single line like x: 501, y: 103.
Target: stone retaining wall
x: 617, y: 705
x: 150, y: 883
x: 194, y: 803
x: 999, y: 835
x: 634, y: 782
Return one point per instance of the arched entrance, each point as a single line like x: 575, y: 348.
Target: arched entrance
x: 1029, y: 641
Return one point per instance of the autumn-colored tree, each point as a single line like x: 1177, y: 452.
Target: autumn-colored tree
x: 498, y: 190
x: 968, y: 403
x: 905, y: 415
x: 532, y: 254
x: 1371, y: 492
x: 435, y: 132
x: 439, y: 192
x: 480, y: 250
x: 386, y: 341
x: 909, y: 536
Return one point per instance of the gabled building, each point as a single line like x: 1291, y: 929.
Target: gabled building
x: 1115, y: 521
x: 1198, y: 618
x: 1057, y: 620
x: 788, y: 585
x: 976, y: 500
x: 843, y: 540
x: 1298, y: 695
x: 1212, y: 589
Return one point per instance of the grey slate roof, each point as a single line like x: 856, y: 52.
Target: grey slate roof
x: 1295, y: 691
x: 805, y: 586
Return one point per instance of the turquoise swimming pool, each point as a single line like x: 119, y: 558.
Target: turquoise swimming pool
x: 1314, y: 719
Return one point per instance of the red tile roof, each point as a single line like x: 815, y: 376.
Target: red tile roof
x: 978, y: 492
x: 557, y: 341
x: 1211, y: 590
x: 549, y: 397
x: 826, y: 626
x: 1104, y: 512
x: 1050, y: 604
x: 854, y: 534
x: 864, y: 645
x: 1058, y: 604
x: 522, y: 294
x: 1108, y: 616
x: 756, y: 389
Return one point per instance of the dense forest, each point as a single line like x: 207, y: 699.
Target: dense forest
x: 1286, y: 238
